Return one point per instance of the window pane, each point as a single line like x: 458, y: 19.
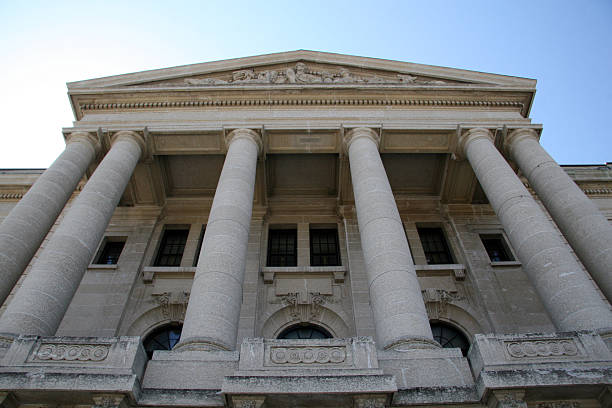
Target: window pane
x: 110, y: 253
x: 305, y: 332
x: 282, y: 247
x: 171, y: 248
x: 324, y: 249
x: 496, y: 248
x: 434, y: 245
x: 164, y: 338
x: 449, y: 337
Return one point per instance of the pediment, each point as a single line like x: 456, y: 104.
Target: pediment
x: 302, y: 72
x: 302, y: 68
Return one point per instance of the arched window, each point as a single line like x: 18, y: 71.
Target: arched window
x: 449, y: 337
x: 309, y: 331
x: 162, y: 338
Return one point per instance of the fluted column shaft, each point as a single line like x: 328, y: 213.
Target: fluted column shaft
x: 395, y: 295
x: 25, y: 227
x: 40, y: 303
x: 569, y: 297
x: 211, y: 319
x: 583, y: 225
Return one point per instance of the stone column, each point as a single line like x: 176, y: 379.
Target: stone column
x: 399, y: 312
x: 40, y: 303
x: 24, y: 229
x: 582, y: 224
x: 568, y: 295
x: 211, y: 320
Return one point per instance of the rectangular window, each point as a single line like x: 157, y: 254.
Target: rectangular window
x: 282, y: 247
x: 496, y: 247
x: 324, y: 249
x: 172, y: 246
x: 111, y: 250
x: 199, y: 247
x: 435, y: 246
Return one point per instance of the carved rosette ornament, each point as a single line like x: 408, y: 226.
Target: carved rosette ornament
x: 307, y: 355
x: 374, y: 401
x: 559, y: 404
x: 542, y: 348
x: 71, y: 352
x: 248, y: 401
x: 108, y: 401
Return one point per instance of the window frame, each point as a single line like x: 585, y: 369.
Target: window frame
x: 275, y: 229
x: 445, y: 243
x: 506, y: 244
x: 334, y: 233
x: 108, y: 239
x: 162, y: 243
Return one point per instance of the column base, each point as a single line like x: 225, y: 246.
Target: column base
x: 200, y: 344
x: 412, y: 343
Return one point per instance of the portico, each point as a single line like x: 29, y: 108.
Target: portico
x: 371, y: 201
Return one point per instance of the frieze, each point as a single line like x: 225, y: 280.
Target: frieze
x: 542, y: 348
x: 307, y: 355
x: 71, y: 352
x: 302, y: 74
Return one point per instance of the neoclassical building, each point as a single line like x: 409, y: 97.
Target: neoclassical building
x: 305, y: 229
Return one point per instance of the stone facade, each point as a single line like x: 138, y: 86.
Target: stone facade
x: 443, y: 218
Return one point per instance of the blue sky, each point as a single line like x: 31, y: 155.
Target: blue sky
x: 565, y: 45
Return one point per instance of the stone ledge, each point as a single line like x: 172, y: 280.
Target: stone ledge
x: 433, y: 395
x: 540, y: 360
x: 151, y: 272
x: 324, y: 384
x: 182, y: 398
x: 271, y: 355
x: 337, y: 272
x: 43, y: 366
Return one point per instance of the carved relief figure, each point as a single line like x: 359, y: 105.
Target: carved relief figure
x: 301, y: 74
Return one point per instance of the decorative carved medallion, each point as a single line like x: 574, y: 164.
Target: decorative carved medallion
x: 71, y: 352
x: 313, y: 304
x: 542, y: 348
x: 511, y: 400
x: 307, y: 355
x: 167, y: 299
x: 436, y: 301
x: 107, y: 401
x: 370, y: 402
x: 302, y: 74
x: 559, y: 404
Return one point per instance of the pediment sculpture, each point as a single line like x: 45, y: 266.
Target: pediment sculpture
x: 301, y: 74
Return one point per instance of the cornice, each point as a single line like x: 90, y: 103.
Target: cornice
x: 300, y: 102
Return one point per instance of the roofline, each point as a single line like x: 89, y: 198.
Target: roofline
x: 293, y: 56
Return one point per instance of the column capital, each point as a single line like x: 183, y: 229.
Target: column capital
x: 244, y: 133
x: 356, y: 133
x: 516, y: 135
x: 134, y: 137
x: 470, y: 135
x: 87, y: 137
